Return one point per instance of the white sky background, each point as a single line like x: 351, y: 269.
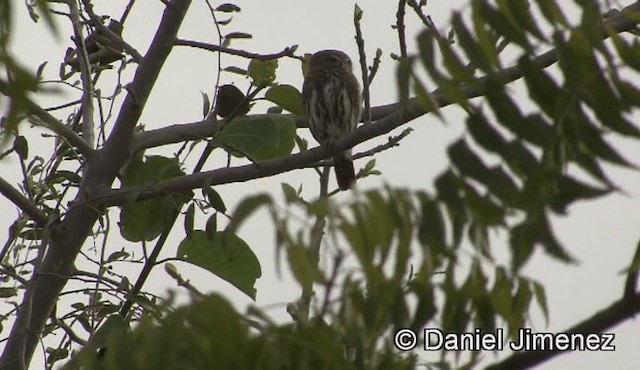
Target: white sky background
x: 602, y: 235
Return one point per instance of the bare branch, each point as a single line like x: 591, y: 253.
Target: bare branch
x: 393, y: 114
x: 402, y: 39
x: 51, y: 122
x: 357, y: 16
x: 85, y: 75
x: 287, y: 52
x: 68, y: 235
x: 22, y: 202
x: 605, y: 319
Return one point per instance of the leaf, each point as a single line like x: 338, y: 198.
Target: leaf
x: 40, y: 70
x: 357, y: 13
x: 449, y: 191
x: 245, y: 209
x: 482, y: 208
x: 215, y: 200
x: 500, y: 295
x: 8, y: 292
x: 426, y: 99
x: 519, y: 13
x: 470, y: 46
x: 212, y: 225
x: 114, y: 324
x: 571, y: 190
x: 188, y: 220
x: 510, y: 117
x: 302, y: 266
x: 522, y: 299
x: 432, y: 229
x: 21, y: 146
x: 231, y: 102
x: 262, y: 72
x: 522, y: 241
x: 238, y: 35
x: 287, y: 97
x: 62, y: 175
x: 485, y: 135
x: 234, y: 36
x: 146, y: 220
x: 503, y: 25
x: 290, y: 194
x: 542, y: 88
x: 593, y: 139
x: 227, y: 8
x: 541, y: 297
x: 206, y: 104
x: 117, y: 256
x: 260, y: 138
x: 495, y: 179
x: 225, y: 255
x: 236, y: 70
x: 552, y: 12
x: 476, y: 282
x: 551, y: 245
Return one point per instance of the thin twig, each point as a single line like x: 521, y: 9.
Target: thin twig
x: 287, y: 52
x: 392, y: 142
x: 357, y: 16
x: 127, y: 10
x: 22, y: 202
x: 402, y: 40
x: 67, y: 329
x: 375, y: 66
x: 85, y: 75
x: 602, y: 320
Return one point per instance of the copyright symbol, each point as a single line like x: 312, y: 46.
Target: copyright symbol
x: 405, y: 340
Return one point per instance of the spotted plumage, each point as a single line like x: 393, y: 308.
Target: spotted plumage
x: 332, y: 103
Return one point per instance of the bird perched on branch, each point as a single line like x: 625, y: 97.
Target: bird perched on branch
x: 332, y: 104
x: 100, y: 48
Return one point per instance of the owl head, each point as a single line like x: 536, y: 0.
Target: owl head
x: 330, y: 59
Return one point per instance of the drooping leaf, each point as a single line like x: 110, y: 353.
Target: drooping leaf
x: 260, y: 138
x: 522, y: 241
x: 245, y: 209
x: 227, y: 8
x: 287, y: 97
x: 146, y: 220
x: 471, y: 46
x: 214, y: 199
x: 225, y: 255
x: 449, y: 191
x: 495, y: 179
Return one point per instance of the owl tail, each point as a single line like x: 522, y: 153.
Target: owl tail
x: 345, y: 174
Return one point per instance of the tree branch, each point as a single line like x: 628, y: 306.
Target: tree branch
x: 393, y: 117
x: 22, y: 202
x: 607, y: 318
x: 622, y: 21
x: 357, y: 17
x: 52, y: 123
x: 67, y: 236
x: 85, y: 75
x: 287, y: 52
